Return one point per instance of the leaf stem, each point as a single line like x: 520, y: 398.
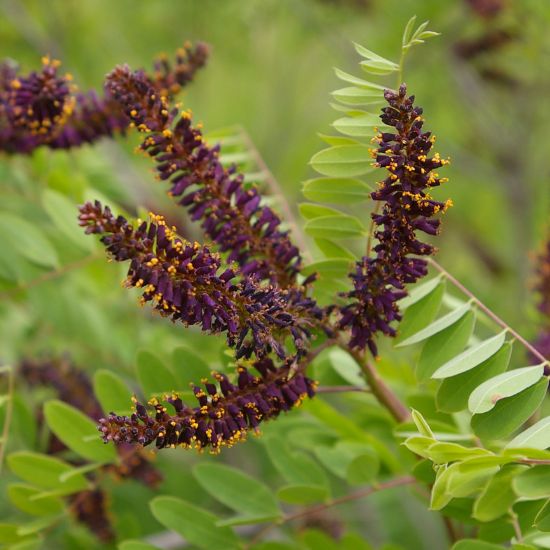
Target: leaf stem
x: 397, y: 482
x: 493, y: 316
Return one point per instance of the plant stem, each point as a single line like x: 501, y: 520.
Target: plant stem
x: 493, y: 316
x: 380, y: 390
x: 9, y: 412
x: 397, y: 482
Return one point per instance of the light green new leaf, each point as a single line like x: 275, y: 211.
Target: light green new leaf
x: 335, y: 227
x: 336, y: 190
x: 407, y: 33
x: 420, y: 314
x: 346, y: 77
x: 356, y: 96
x: 28, y: 241
x: 78, y: 432
x: 359, y: 126
x: 421, y: 424
x: 309, y: 211
x: 437, y: 326
x: 497, y: 496
x: 111, y: 392
x: 195, y: 524
x: 332, y: 250
x: 486, y: 396
x: 153, y: 375
x: 471, y: 357
x: 343, y: 161
x: 533, y: 483
x: 237, y: 490
x: 509, y: 413
x: 63, y: 214
x: 440, y: 496
x: 378, y: 68
x: 368, y: 54
x: 21, y: 497
x: 535, y: 437
x: 45, y: 471
x: 444, y: 452
x: 454, y: 392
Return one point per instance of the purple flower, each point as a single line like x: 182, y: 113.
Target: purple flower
x: 226, y: 411
x: 185, y: 282
x: 408, y: 208
x: 232, y: 216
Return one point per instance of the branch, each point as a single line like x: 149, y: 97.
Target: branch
x: 397, y: 482
x: 488, y: 311
x: 341, y: 389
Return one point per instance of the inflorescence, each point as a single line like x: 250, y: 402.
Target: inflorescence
x: 379, y: 281
x: 232, y: 215
x: 44, y: 108
x: 185, y: 282
x: 225, y: 413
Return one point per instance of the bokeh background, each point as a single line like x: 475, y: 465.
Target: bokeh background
x: 484, y: 85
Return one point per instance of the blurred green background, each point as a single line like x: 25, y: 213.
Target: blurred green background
x: 484, y: 88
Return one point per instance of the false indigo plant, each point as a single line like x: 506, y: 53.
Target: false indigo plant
x: 249, y: 283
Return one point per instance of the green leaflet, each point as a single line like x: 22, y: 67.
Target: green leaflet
x: 21, y: 495
x: 443, y: 346
x: 237, y: 490
x: 193, y: 523
x: 536, y: 437
x: 419, y: 291
x: 365, y: 84
x: 358, y: 126
x: 111, y: 392
x: 533, y: 483
x: 343, y: 161
x: 78, y: 432
x: 353, y: 95
x: 437, y: 326
x: 454, y: 392
x: 310, y: 211
x: 485, y: 396
x: 333, y: 250
x: 335, y: 227
x: 329, y: 269
x: 471, y: 357
x: 154, y: 376
x: 509, y: 413
x: 336, y: 190
x: 188, y: 367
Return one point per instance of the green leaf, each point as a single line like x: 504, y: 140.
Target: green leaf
x: 153, y: 375
x: 78, y: 432
x: 510, y: 413
x: 38, y: 525
x: 358, y: 126
x: 419, y: 444
x: 533, y: 483
x: 338, y: 140
x: 337, y: 268
x: 454, y: 392
x: 188, y: 367
x: 332, y: 250
x: 471, y: 357
x: 437, y: 326
x: 419, y: 291
x: 310, y: 211
x: 368, y: 54
x: 295, y: 467
x: 136, y: 545
x: 536, y: 437
x: 302, y: 494
x: 443, y: 346
x: 407, y: 33
x: 486, y: 396
x: 377, y: 67
x: 45, y: 471
x: 28, y: 240
x: 542, y: 521
x: 498, y: 496
x: 472, y: 544
x: 111, y: 392
x: 356, y: 96
x: 444, y: 452
x: 336, y: 190
x: 363, y: 468
x: 194, y: 524
x: 346, y: 366
x: 343, y: 161
x: 365, y: 84
x: 335, y: 227
x: 421, y: 424
x: 20, y: 495
x: 63, y: 214
x: 237, y: 490
x: 421, y: 313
